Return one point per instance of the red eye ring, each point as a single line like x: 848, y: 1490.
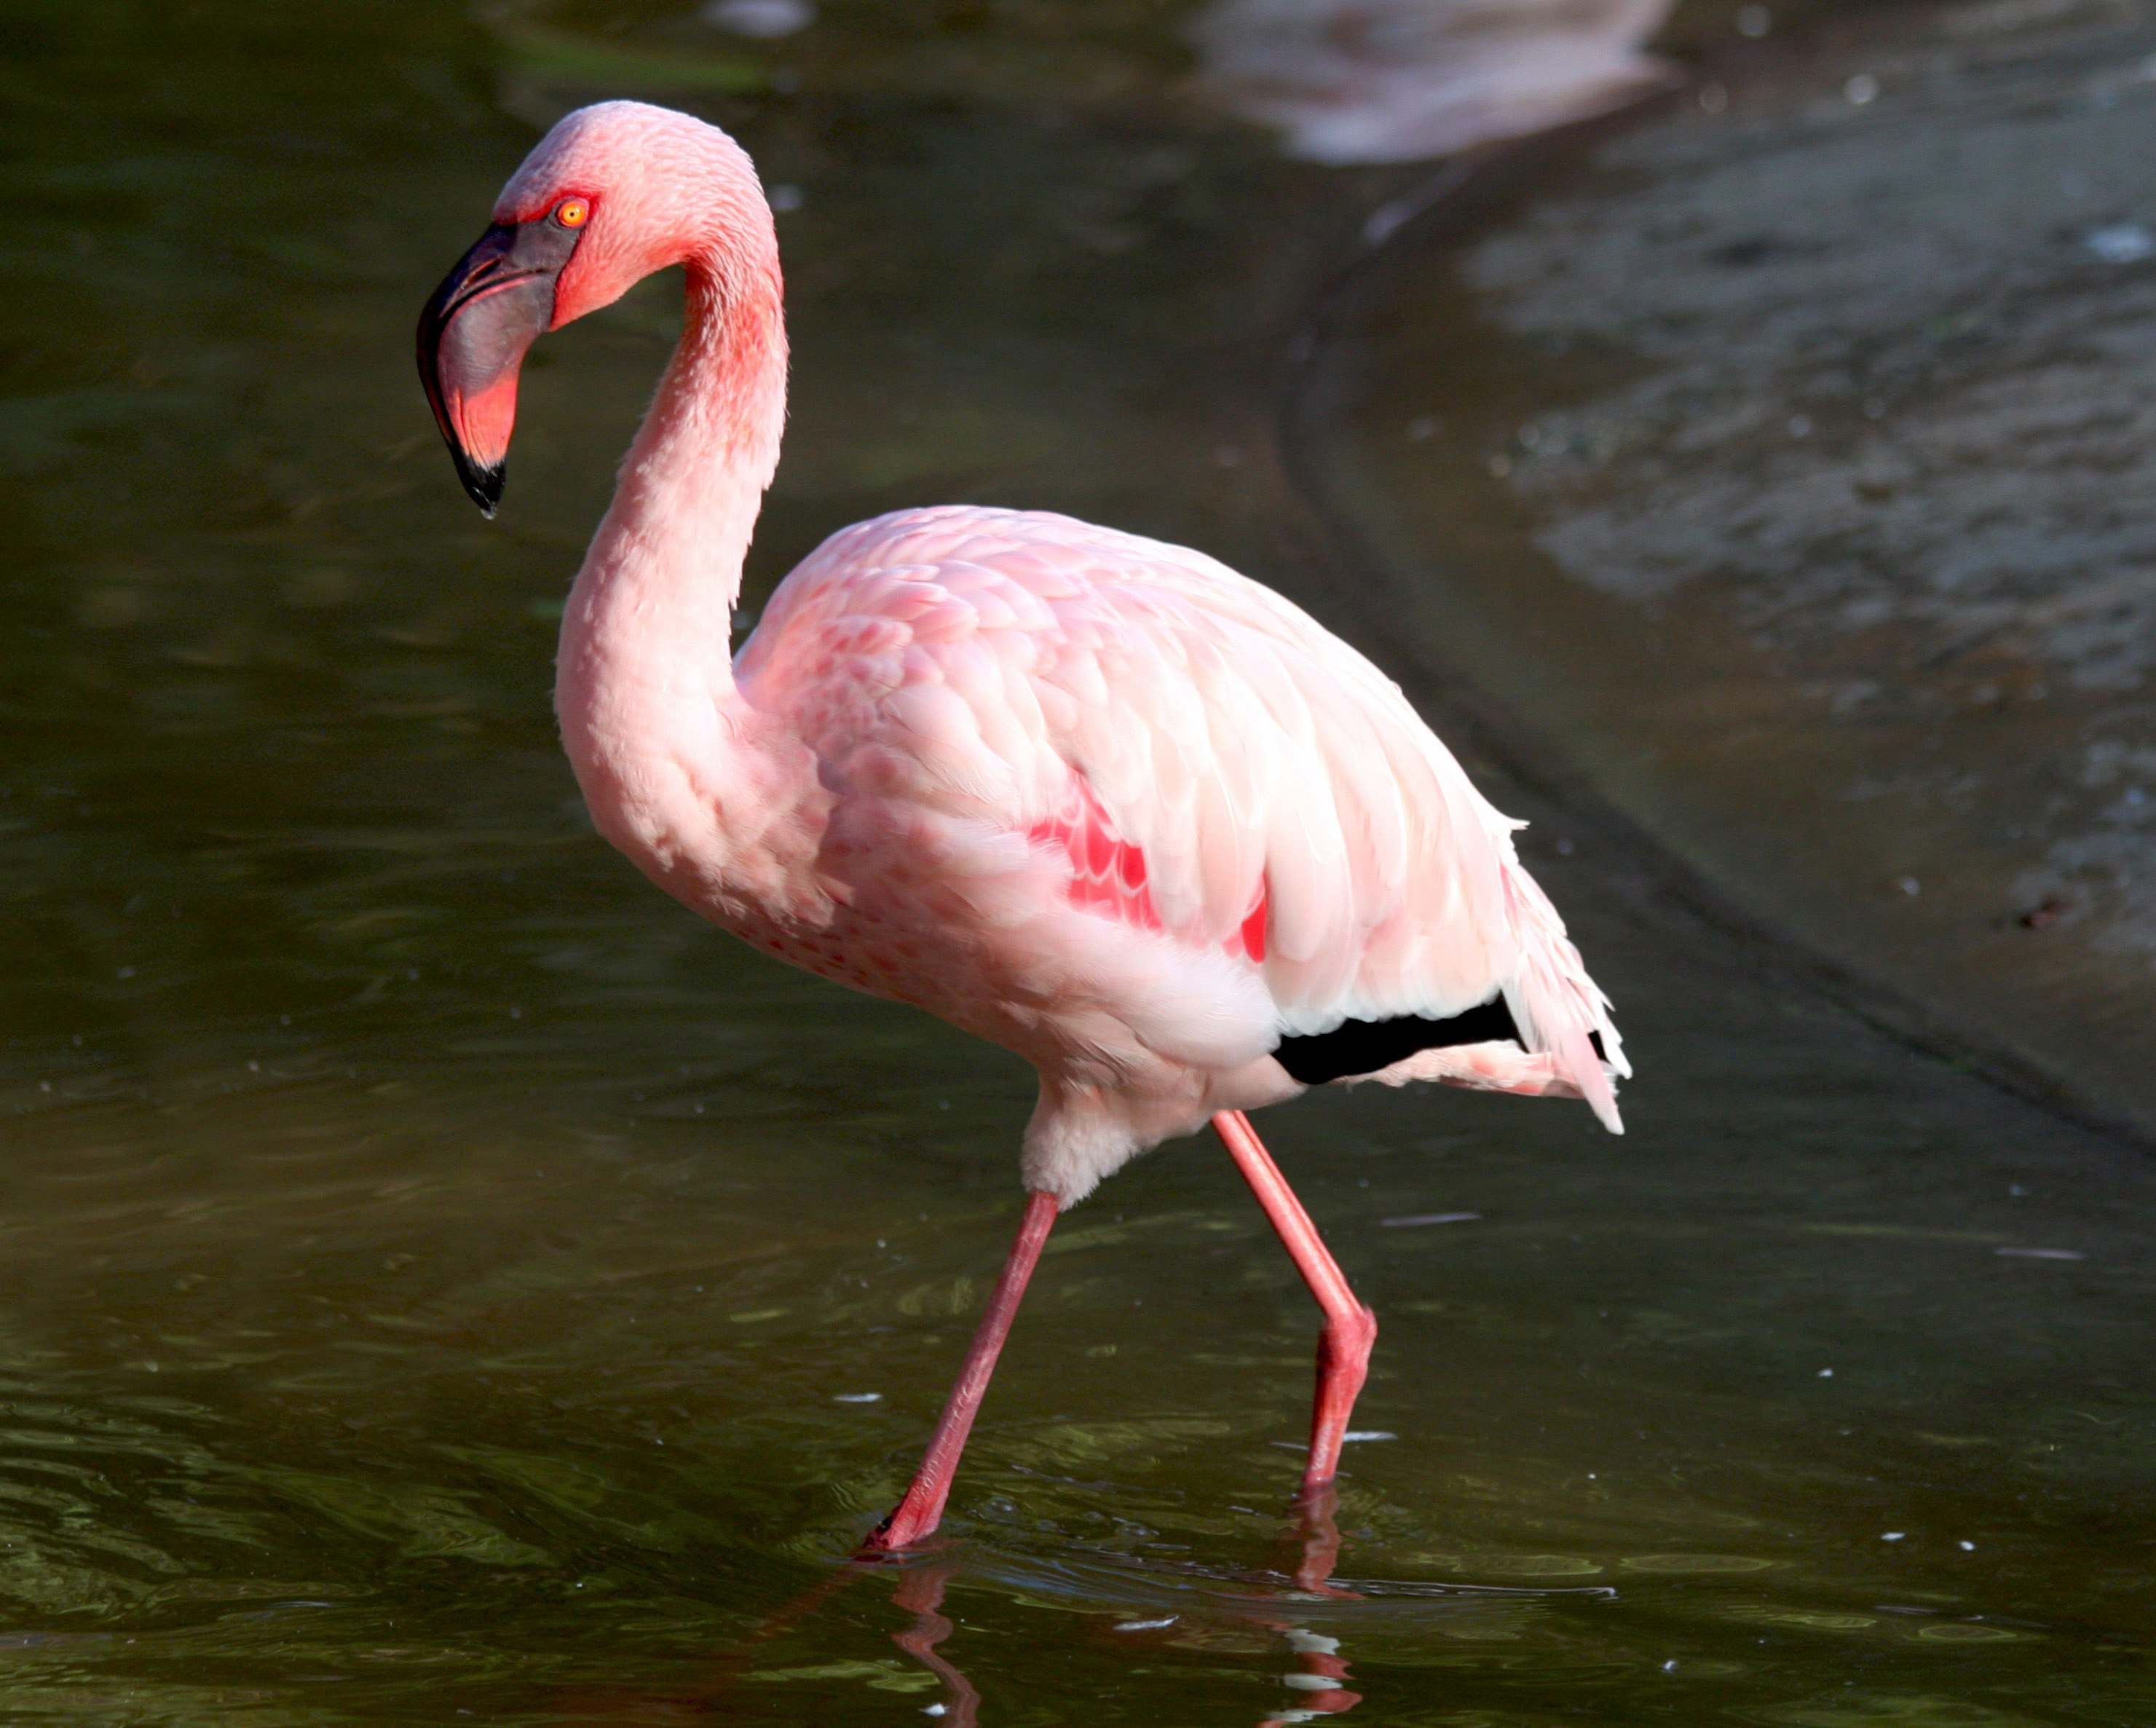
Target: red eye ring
x: 573, y: 213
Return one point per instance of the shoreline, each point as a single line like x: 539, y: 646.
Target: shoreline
x: 1401, y: 572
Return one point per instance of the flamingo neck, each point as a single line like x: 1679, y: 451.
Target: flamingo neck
x: 644, y: 682
x: 674, y: 538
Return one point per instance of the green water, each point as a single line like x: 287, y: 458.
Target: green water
x: 442, y: 1281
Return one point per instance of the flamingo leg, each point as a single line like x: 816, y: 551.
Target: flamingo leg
x: 1343, y: 1347
x: 923, y: 1508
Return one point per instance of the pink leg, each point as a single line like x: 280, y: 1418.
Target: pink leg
x: 1343, y: 1347
x: 922, y: 1508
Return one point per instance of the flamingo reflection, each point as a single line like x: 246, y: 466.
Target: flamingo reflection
x: 1322, y: 1672
x: 1320, y: 1677
x: 920, y: 1589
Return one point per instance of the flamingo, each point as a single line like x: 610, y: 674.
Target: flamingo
x: 1096, y: 799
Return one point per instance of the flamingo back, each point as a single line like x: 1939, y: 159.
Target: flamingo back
x: 1195, y: 759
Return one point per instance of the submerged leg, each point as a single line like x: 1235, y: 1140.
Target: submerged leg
x: 919, y: 1512
x: 1312, y: 1548
x: 1343, y: 1347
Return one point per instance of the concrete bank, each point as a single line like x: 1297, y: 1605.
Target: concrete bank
x: 1782, y: 458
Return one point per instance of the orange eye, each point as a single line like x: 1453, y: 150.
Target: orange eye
x: 570, y: 212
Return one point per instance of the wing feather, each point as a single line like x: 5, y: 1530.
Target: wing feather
x: 1249, y: 760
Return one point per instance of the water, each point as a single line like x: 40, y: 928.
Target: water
x: 444, y: 1279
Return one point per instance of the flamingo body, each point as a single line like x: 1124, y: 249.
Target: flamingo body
x: 1094, y: 797
x: 1105, y: 802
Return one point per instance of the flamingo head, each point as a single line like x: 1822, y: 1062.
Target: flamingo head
x: 613, y: 192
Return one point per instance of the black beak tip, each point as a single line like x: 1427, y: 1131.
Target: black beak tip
x: 483, y: 485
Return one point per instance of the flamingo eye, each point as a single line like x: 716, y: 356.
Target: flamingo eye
x: 570, y: 212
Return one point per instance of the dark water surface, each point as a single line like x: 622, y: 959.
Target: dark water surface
x: 443, y: 1281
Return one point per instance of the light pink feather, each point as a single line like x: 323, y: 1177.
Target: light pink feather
x: 1059, y: 681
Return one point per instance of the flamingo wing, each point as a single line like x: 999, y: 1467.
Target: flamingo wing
x: 1210, y: 762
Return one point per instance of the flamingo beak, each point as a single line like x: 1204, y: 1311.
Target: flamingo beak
x: 472, y: 337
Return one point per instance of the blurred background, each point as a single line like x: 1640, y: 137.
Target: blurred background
x: 444, y: 1280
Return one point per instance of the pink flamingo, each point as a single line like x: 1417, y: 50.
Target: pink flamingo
x: 1099, y: 800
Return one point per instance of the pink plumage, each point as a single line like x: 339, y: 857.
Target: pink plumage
x: 1095, y: 798
x: 1170, y: 818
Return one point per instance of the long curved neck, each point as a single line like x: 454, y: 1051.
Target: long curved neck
x: 672, y: 543
x: 645, y: 682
